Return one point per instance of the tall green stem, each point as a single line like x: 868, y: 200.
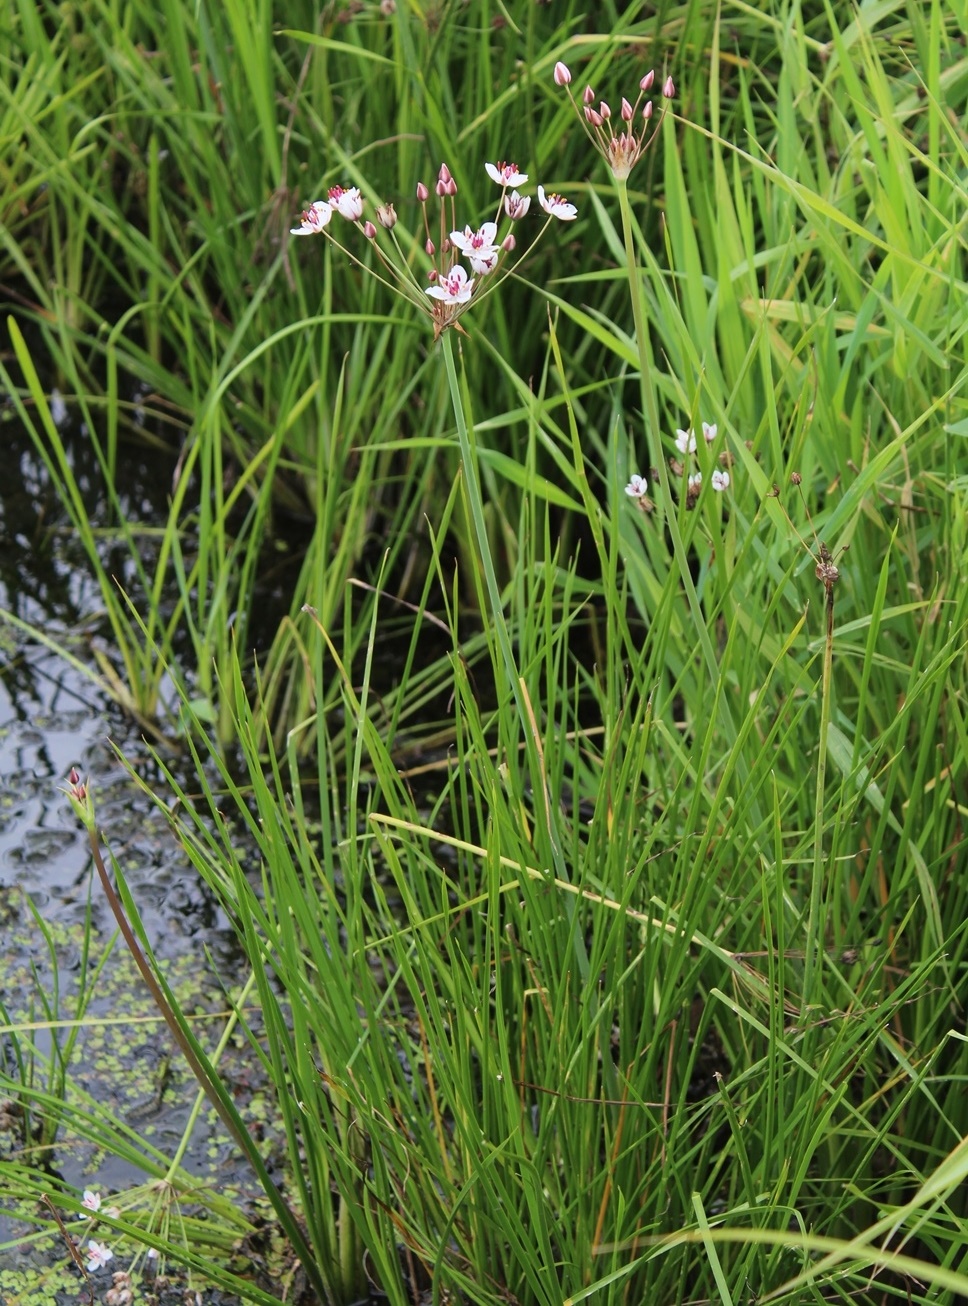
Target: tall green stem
x: 815, y: 916
x: 472, y: 481
x: 473, y: 484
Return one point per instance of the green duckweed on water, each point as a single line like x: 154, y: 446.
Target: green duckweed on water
x: 123, y: 1072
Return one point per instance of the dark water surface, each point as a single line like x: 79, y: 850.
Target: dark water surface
x: 53, y: 718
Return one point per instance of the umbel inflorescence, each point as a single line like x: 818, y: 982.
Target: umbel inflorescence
x: 623, y: 139
x: 485, y: 249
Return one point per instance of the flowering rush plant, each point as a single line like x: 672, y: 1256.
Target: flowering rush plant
x: 485, y: 249
x: 622, y: 140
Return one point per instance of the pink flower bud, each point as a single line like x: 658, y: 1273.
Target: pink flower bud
x: 369, y: 231
x: 446, y: 246
x: 646, y: 83
x: 626, y: 110
x: 594, y: 117
x: 430, y: 247
x: 647, y: 111
x: 444, y: 174
x: 387, y: 216
x: 562, y: 74
x: 604, y: 110
x: 588, y: 95
x: 432, y: 274
x: 451, y: 187
x: 668, y: 88
x: 508, y: 243
x: 422, y: 192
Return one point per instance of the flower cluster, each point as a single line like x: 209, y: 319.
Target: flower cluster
x: 621, y: 143
x: 122, y: 1291
x: 686, y: 445
x: 483, y: 248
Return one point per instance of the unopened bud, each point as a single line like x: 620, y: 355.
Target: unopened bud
x: 422, y: 192
x: 508, y: 243
x: 668, y: 88
x: 445, y: 247
x: 588, y: 95
x: 796, y: 478
x: 387, y: 216
x: 432, y: 274
x: 445, y: 174
x: 430, y: 247
x: 369, y: 231
x: 626, y: 110
x: 646, y: 83
x: 562, y: 74
x: 604, y: 110
x: 647, y: 110
x: 594, y: 117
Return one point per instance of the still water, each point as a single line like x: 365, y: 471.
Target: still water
x: 52, y: 718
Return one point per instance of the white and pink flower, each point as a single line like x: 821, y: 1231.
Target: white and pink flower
x: 98, y: 1255
x: 556, y: 206
x: 516, y: 206
x: 313, y: 219
x: 637, y: 487
x: 505, y: 174
x: 686, y: 441
x: 478, y: 247
x: 720, y: 480
x: 348, y: 203
x: 452, y: 287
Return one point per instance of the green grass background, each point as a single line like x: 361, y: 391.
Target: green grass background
x: 622, y: 960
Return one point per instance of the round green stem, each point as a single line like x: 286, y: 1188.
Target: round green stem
x: 472, y: 482
x: 815, y: 916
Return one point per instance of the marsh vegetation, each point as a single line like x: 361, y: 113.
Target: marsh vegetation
x: 557, y: 683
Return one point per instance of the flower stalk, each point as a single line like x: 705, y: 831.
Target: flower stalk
x: 621, y: 149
